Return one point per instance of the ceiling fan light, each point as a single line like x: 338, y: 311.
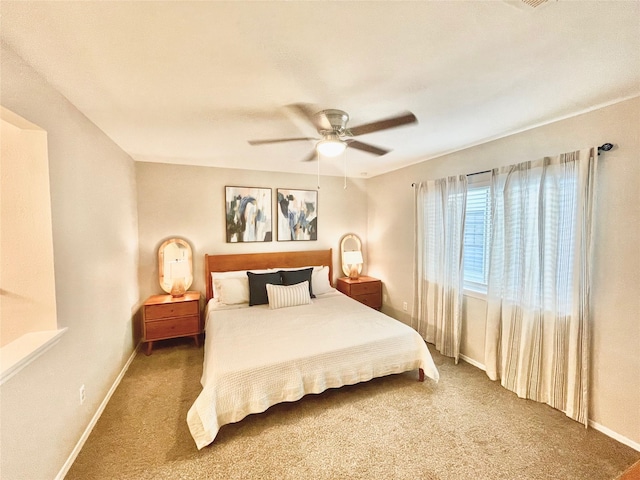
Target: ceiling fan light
x: 331, y: 146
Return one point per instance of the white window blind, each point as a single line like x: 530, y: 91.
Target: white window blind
x: 476, y: 237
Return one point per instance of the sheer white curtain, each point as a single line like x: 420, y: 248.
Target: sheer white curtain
x: 537, y: 334
x: 440, y: 209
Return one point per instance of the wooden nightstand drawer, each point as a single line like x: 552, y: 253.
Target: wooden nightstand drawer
x: 170, y: 328
x: 372, y: 300
x: 366, y: 288
x: 169, y: 310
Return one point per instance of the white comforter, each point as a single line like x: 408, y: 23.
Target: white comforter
x: 256, y: 357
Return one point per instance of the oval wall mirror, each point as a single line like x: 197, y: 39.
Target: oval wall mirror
x: 349, y: 243
x: 175, y: 266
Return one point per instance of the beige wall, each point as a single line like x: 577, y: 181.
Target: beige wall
x: 195, y: 211
x: 615, y: 367
x: 93, y: 211
x: 27, y: 301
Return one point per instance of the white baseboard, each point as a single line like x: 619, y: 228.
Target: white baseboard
x: 473, y: 362
x: 616, y: 436
x: 595, y: 425
x: 85, y: 435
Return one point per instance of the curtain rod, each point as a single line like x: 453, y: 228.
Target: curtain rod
x: 605, y: 147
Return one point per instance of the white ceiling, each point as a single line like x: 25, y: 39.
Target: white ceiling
x: 191, y: 82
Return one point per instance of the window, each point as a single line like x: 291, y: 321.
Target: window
x: 28, y: 318
x: 476, y: 237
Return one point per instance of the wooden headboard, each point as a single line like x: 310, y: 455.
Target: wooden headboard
x: 255, y: 261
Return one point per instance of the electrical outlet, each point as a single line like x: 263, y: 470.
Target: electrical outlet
x: 404, y: 306
x: 83, y: 395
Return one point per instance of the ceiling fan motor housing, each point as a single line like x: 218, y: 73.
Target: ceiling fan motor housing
x: 337, y: 120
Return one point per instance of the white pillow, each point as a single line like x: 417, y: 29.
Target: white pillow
x: 232, y: 274
x: 320, y: 280
x: 233, y: 290
x: 281, y: 296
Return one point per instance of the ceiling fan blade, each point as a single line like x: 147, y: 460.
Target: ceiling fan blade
x: 307, y: 110
x: 313, y: 155
x: 279, y: 140
x: 393, y: 122
x: 310, y: 113
x: 366, y: 147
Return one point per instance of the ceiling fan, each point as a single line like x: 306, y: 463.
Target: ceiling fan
x: 331, y: 124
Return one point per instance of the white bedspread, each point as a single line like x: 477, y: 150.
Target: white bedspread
x: 256, y: 357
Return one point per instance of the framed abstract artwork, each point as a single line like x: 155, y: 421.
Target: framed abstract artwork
x: 297, y: 214
x: 248, y: 214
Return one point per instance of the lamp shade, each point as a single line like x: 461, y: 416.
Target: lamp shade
x: 353, y: 257
x: 178, y: 269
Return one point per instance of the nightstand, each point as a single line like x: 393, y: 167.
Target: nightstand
x: 367, y: 290
x: 165, y: 317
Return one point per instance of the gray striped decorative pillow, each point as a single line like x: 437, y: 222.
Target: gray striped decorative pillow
x: 281, y: 296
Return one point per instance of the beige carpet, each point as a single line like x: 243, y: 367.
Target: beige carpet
x: 464, y: 427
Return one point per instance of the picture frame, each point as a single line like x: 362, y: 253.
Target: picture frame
x: 248, y: 215
x: 297, y: 213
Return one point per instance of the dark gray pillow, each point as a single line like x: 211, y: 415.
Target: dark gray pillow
x: 258, y: 288
x: 293, y: 277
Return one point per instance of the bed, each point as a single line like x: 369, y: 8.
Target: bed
x: 258, y: 356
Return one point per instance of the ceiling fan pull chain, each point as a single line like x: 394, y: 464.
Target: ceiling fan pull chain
x: 318, y: 162
x: 344, y: 163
